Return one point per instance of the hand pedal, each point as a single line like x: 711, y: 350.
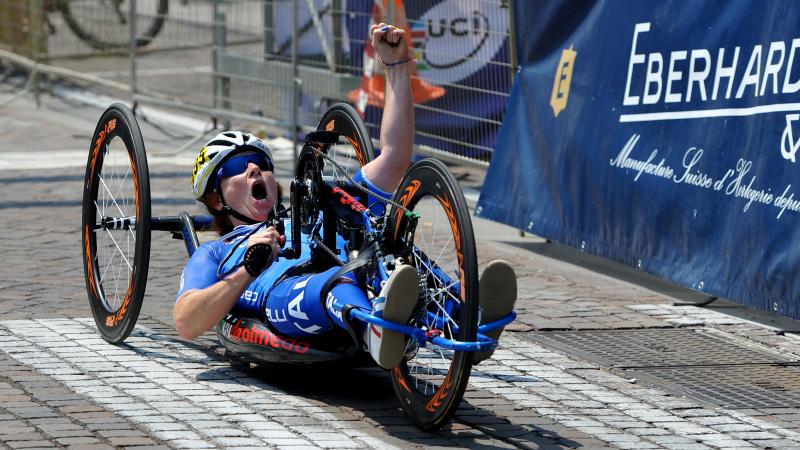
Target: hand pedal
x: 322, y: 137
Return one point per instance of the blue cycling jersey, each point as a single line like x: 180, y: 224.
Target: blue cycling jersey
x: 293, y: 306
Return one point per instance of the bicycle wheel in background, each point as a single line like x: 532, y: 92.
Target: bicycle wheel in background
x: 431, y: 381
x: 357, y: 150
x: 116, y: 223
x: 104, y: 24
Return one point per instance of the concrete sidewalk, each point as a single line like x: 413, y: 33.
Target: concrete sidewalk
x: 600, y: 356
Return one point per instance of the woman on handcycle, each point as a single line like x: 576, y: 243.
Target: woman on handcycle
x: 233, y: 177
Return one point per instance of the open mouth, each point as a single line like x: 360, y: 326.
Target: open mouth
x: 259, y: 191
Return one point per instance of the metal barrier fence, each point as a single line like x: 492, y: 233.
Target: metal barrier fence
x: 280, y: 62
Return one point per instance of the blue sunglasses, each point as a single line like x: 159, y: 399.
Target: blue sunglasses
x: 238, y: 164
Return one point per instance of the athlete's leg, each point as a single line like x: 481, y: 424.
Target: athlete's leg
x: 345, y: 292
x: 294, y: 306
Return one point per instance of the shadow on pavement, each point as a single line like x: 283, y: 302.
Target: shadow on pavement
x: 369, y: 392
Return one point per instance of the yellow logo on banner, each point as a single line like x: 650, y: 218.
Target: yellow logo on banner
x: 558, y: 100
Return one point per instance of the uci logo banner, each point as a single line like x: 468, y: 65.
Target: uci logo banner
x: 456, y: 38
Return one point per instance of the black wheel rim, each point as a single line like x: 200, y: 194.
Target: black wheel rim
x: 104, y: 24
x: 355, y: 148
x: 431, y: 382
x: 116, y: 224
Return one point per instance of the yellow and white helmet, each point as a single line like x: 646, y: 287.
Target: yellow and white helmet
x: 216, y: 151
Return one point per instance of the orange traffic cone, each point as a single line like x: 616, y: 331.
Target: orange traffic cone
x: 373, y: 84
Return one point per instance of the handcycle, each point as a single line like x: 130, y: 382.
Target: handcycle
x: 427, y: 225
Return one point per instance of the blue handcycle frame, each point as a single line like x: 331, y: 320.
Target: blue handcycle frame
x: 423, y: 337
x: 184, y: 227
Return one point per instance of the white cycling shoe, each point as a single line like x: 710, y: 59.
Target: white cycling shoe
x: 498, y: 293
x: 400, y: 295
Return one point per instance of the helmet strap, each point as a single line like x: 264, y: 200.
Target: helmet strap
x: 232, y: 212
x: 226, y: 209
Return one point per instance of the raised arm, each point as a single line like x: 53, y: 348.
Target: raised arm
x: 397, y: 125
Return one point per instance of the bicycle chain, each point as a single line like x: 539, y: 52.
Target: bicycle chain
x: 314, y: 234
x: 330, y: 252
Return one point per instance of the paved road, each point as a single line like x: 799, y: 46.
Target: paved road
x: 62, y: 386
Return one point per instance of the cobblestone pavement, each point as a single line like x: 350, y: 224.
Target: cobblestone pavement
x: 62, y: 386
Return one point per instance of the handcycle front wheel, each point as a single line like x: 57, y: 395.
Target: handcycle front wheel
x: 431, y: 381
x: 357, y: 150
x: 325, y: 163
x: 116, y: 223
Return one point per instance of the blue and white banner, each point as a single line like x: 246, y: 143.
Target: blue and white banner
x: 664, y: 135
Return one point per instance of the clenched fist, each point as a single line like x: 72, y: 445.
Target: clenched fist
x: 390, y: 43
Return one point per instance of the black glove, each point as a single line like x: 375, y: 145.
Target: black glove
x: 257, y: 258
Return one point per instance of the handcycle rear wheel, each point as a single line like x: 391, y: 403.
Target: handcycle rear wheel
x: 116, y: 223
x: 431, y: 381
x: 102, y: 25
